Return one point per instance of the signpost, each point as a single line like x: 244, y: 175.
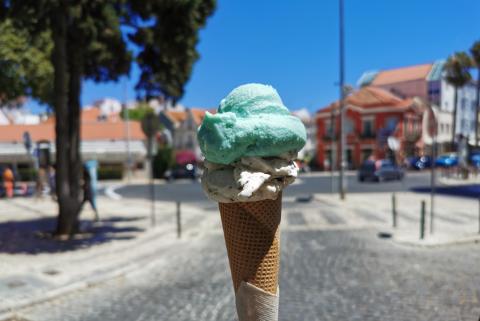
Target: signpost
x: 150, y: 126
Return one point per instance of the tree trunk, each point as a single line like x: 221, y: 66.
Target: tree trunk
x: 75, y: 86
x: 454, y: 124
x: 68, y: 208
x: 477, y: 107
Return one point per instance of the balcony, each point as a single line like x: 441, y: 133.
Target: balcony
x: 329, y: 137
x: 368, y: 135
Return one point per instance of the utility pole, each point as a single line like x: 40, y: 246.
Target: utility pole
x: 126, y: 118
x: 433, y: 132
x: 333, y: 141
x: 342, y: 102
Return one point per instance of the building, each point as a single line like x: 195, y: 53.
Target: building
x: 427, y: 82
x: 308, y: 151
x: 375, y: 119
x: 105, y: 138
x: 182, y: 127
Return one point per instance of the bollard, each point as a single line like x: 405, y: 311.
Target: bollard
x: 422, y: 221
x: 179, y: 223
x: 394, y: 210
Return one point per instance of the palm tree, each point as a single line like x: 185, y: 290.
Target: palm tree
x: 475, y: 52
x: 457, y: 74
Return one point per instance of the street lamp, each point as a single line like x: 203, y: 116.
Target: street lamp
x: 342, y: 101
x: 127, y: 130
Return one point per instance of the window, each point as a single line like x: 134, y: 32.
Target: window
x: 328, y: 128
x: 391, y: 123
x: 367, y: 127
x: 349, y: 126
x: 463, y: 103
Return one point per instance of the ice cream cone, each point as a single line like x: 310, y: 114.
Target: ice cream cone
x: 252, y: 238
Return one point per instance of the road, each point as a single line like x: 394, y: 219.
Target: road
x: 325, y: 275
x: 190, y: 191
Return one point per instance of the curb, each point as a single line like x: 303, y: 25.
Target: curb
x: 460, y: 241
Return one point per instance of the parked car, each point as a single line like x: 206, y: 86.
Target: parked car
x: 475, y: 159
x: 420, y: 163
x: 380, y: 170
x: 188, y: 170
x: 447, y: 160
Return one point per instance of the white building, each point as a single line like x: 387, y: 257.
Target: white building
x: 309, y: 121
x: 466, y: 109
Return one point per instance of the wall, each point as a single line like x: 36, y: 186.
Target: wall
x: 465, y: 108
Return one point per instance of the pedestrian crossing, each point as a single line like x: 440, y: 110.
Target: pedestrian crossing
x: 328, y: 214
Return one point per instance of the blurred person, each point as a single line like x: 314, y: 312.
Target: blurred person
x: 8, y: 181
x: 40, y: 183
x: 51, y: 182
x: 88, y: 195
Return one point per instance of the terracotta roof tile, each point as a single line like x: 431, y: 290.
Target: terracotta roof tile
x: 176, y: 116
x: 402, y: 74
x: 90, y: 114
x: 89, y: 131
x: 198, y: 115
x: 371, y: 97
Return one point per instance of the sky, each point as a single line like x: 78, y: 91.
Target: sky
x: 293, y: 46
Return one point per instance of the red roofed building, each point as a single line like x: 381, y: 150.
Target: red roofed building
x: 372, y: 116
x: 405, y: 82
x: 102, y: 138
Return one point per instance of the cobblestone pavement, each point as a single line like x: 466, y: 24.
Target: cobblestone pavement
x: 325, y: 275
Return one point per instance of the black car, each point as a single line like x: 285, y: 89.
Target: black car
x: 182, y: 171
x: 380, y: 170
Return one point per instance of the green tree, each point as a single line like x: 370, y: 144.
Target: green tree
x: 87, y: 43
x: 163, y: 160
x: 457, y: 74
x: 137, y: 113
x: 167, y: 37
x: 475, y: 52
x: 25, y: 66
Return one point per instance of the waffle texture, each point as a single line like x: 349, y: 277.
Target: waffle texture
x: 252, y: 237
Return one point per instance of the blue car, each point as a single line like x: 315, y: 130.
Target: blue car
x: 447, y: 160
x: 475, y: 159
x: 420, y: 163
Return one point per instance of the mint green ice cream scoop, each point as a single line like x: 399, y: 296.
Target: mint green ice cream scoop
x: 250, y: 121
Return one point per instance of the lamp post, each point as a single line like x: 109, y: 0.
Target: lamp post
x: 127, y: 130
x: 432, y: 124
x: 332, y: 159
x: 341, y: 186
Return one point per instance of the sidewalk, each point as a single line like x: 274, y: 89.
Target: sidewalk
x: 456, y: 219
x: 455, y: 180
x: 35, y: 269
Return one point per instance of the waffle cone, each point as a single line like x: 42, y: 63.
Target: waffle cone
x: 252, y: 237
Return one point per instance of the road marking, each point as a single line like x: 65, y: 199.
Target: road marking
x: 110, y: 192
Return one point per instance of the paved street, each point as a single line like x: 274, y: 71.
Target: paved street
x: 187, y: 190
x: 325, y: 275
